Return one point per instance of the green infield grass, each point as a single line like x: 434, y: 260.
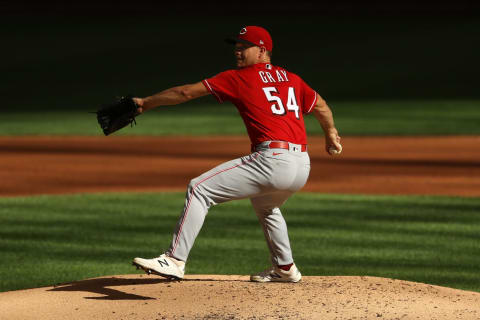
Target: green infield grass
x: 46, y: 240
x: 415, y: 117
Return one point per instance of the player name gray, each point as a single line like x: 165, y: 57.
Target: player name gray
x: 280, y: 76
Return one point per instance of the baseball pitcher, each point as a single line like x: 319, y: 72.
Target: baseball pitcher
x: 272, y: 102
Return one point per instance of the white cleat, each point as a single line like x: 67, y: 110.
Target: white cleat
x: 276, y: 274
x: 164, y: 266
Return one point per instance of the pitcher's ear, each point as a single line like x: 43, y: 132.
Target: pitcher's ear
x: 263, y: 50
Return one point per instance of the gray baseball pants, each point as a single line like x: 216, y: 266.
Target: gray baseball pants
x: 267, y: 176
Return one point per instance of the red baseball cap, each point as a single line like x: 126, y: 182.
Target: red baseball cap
x: 254, y: 35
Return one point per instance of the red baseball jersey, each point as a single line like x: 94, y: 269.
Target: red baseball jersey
x: 270, y: 99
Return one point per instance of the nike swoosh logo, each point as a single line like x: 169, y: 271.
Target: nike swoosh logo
x: 276, y: 153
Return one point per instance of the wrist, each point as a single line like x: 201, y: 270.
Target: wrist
x: 331, y: 130
x: 147, y: 103
x: 139, y: 101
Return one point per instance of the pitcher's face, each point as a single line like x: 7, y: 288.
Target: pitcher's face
x: 246, y: 55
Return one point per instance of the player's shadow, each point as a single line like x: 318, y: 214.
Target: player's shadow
x: 102, y: 286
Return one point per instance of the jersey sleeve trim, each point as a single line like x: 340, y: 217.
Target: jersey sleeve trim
x: 313, y: 103
x: 209, y: 88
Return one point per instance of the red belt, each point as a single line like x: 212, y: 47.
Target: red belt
x: 284, y: 145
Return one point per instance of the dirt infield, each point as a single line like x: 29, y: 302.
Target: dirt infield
x: 368, y: 165
x: 381, y: 165
x: 233, y: 297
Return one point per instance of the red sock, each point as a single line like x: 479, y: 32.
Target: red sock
x: 286, y: 267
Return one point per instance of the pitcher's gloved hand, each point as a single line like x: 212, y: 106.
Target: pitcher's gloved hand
x: 118, y: 114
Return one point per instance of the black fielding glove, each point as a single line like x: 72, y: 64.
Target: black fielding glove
x: 117, y: 115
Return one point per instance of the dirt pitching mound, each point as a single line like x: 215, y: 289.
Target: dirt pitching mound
x: 234, y: 297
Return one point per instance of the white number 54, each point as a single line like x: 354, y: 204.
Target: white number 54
x: 277, y: 107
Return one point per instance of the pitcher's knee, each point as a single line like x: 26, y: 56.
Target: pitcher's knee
x: 263, y: 212
x: 194, y: 184
x: 196, y: 190
x: 191, y: 186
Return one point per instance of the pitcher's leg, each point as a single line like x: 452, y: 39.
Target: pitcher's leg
x: 189, y: 224
x: 274, y: 226
x: 236, y: 179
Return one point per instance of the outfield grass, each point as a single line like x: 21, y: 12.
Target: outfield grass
x: 415, y: 117
x: 51, y: 239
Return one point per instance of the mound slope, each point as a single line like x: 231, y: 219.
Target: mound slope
x: 234, y: 297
